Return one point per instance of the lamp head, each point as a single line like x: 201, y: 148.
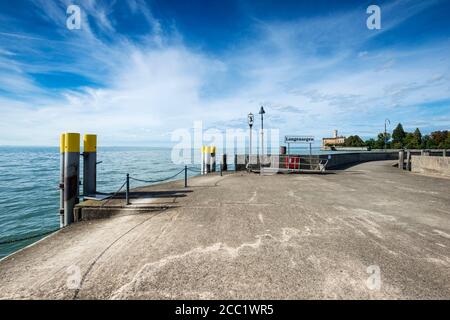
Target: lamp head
x: 251, y: 119
x: 261, y: 111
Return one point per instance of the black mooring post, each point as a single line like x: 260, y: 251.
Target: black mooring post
x: 185, y: 176
x: 127, y: 192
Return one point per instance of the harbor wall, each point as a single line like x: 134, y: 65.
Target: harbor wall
x: 431, y: 165
x: 339, y: 160
x: 335, y: 160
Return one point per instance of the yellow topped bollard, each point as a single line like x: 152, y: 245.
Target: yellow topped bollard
x: 89, y: 164
x: 72, y: 142
x: 71, y: 174
x: 62, y: 143
x: 90, y: 143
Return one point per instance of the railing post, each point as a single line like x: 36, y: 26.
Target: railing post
x: 185, y: 176
x: 127, y: 192
x: 401, y: 158
x: 408, y: 160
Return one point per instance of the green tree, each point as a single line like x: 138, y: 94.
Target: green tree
x: 398, y: 135
x: 438, y: 138
x: 410, y: 141
x: 447, y: 141
x: 426, y: 142
x: 379, y: 143
x: 354, y: 141
x: 371, y: 144
x: 418, y: 137
x: 413, y: 140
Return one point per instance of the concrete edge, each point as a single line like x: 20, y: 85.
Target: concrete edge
x: 30, y: 245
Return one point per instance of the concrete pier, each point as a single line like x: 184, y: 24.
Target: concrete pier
x: 249, y: 236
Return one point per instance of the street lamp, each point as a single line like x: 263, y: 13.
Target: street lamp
x: 385, y: 133
x: 251, y: 120
x: 262, y: 112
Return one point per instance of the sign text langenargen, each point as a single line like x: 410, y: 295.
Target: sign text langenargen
x: 298, y: 139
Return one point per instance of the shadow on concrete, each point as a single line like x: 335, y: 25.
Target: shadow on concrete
x: 154, y: 194
x: 310, y: 173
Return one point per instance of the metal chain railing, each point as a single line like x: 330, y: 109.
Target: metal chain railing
x: 158, y: 180
x: 127, y: 183
x: 114, y: 194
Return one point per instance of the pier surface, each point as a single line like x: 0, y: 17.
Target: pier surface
x: 244, y: 236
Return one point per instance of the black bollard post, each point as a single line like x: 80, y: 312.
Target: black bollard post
x: 127, y: 192
x: 185, y: 176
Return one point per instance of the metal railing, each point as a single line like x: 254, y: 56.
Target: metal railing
x: 287, y: 163
x: 129, y: 178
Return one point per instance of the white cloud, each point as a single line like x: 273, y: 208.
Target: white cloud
x: 150, y: 88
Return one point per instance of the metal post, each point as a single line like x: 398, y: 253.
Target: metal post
x: 223, y: 164
x: 61, y: 181
x: 289, y: 156
x: 310, y: 157
x: 213, y: 158
x: 185, y: 176
x: 385, y: 133
x: 202, y: 165
x: 251, y: 120
x: 71, y: 175
x: 408, y: 160
x: 89, y: 164
x: 250, y: 147
x: 401, y: 157
x: 444, y: 153
x: 208, y: 160
x: 127, y: 191
x: 262, y: 135
x: 261, y: 112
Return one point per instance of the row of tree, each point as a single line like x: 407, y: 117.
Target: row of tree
x: 402, y: 139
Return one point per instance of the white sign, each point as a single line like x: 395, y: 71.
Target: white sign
x: 298, y: 139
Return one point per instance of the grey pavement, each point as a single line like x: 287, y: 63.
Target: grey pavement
x: 245, y: 236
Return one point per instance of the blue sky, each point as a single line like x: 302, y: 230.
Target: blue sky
x: 137, y: 70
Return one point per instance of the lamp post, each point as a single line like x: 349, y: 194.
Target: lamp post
x: 385, y: 133
x: 251, y: 120
x: 262, y: 112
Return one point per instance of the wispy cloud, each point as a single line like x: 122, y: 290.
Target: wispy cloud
x: 313, y: 75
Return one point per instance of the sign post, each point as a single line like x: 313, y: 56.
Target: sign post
x: 298, y: 140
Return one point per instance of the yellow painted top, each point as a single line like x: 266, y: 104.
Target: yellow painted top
x: 90, y: 143
x: 72, y: 142
x: 62, y: 142
x: 208, y: 149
